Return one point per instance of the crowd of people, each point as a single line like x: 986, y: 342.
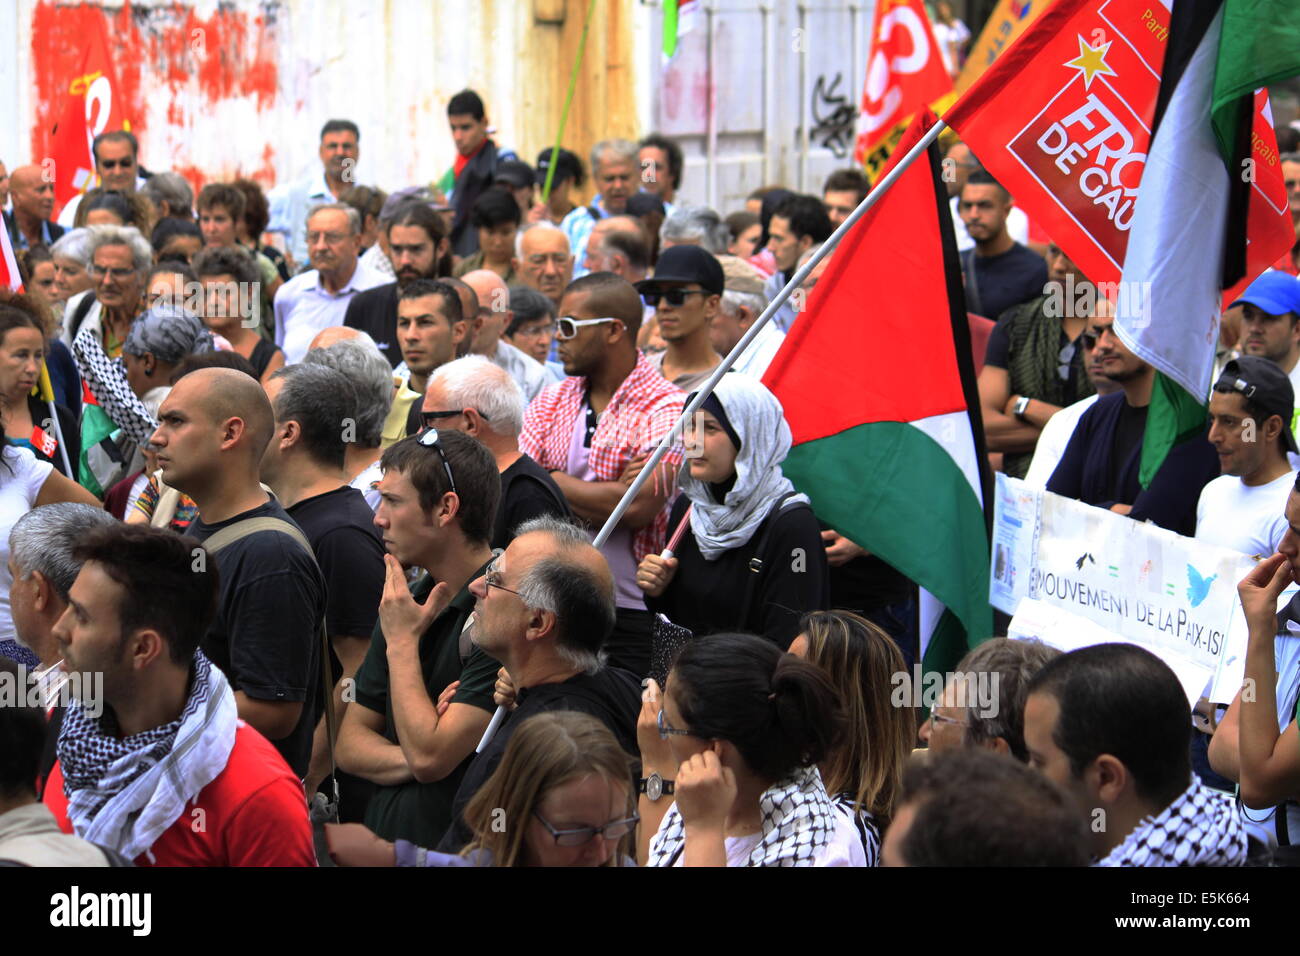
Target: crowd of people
x: 299, y: 489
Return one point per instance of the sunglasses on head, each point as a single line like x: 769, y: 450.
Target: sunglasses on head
x: 566, y: 328
x: 430, y: 440
x: 674, y: 297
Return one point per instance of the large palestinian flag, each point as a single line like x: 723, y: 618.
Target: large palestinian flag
x: 878, y: 386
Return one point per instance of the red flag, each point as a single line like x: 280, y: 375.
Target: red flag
x: 905, y: 73
x: 10, y: 277
x: 1063, y: 120
x: 92, y: 105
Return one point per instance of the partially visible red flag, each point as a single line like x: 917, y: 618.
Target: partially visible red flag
x: 92, y: 105
x: 10, y: 277
x: 905, y: 73
x: 1063, y: 120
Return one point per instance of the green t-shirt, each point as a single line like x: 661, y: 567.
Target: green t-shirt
x: 421, y: 812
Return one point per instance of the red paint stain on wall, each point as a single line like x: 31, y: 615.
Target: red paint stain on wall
x: 157, y: 52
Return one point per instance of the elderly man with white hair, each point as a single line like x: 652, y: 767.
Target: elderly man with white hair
x: 474, y: 396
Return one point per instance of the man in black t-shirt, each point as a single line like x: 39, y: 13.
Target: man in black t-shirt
x: 477, y: 397
x: 999, y: 272
x: 424, y: 691
x: 545, y: 609
x: 305, y: 466
x: 213, y: 429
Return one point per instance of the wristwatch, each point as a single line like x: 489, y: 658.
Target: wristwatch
x: 1021, y: 406
x: 655, y: 786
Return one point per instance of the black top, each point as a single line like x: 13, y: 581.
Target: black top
x: 478, y: 174
x: 64, y: 377
x: 527, y: 491
x: 68, y: 428
x: 48, y: 227
x: 266, y: 635
x: 263, y: 352
x: 374, y: 312
x: 421, y: 812
x: 708, y: 597
x: 1129, y: 429
x: 1097, y: 469
x: 611, y: 695
x: 350, y: 551
x: 1015, y: 276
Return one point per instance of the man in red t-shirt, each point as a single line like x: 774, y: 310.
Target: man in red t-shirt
x: 154, y: 762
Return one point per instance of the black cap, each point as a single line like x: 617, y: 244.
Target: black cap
x: 567, y: 167
x: 686, y: 264
x: 516, y: 173
x: 1263, y: 382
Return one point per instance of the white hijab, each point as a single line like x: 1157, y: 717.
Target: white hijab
x: 757, y: 418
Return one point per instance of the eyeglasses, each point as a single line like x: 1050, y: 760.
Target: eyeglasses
x: 117, y: 163
x: 428, y: 418
x: 430, y: 440
x: 100, y: 272
x: 492, y: 576
x: 666, y: 730
x: 567, y: 328
x: 674, y: 297
x: 536, y: 331
x: 1089, y: 338
x: 938, y: 718
x: 613, y: 830
x: 331, y: 238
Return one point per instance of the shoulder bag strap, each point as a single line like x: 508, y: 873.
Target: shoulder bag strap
x: 755, y: 560
x: 242, y: 529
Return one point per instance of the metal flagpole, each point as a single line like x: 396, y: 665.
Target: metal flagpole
x: 707, y: 388
x: 58, y: 436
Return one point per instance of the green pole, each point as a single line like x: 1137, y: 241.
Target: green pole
x: 568, y: 101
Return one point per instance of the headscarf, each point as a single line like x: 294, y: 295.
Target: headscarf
x: 755, y: 415
x: 168, y: 333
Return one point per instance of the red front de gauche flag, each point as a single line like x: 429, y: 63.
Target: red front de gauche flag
x: 1063, y: 120
x: 92, y: 105
x: 905, y: 72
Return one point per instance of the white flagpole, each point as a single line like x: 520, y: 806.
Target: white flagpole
x: 707, y: 388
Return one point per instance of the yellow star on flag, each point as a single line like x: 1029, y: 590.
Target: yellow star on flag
x: 1091, y: 61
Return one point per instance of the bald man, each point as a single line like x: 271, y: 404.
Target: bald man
x: 494, y: 316
x: 552, y: 655
x: 33, y: 196
x: 213, y: 429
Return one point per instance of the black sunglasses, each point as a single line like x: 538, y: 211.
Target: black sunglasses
x: 674, y: 297
x: 430, y: 440
x: 428, y: 418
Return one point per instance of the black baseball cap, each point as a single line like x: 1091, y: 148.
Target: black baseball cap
x: 1264, y: 383
x: 515, y: 173
x: 569, y: 166
x: 686, y: 264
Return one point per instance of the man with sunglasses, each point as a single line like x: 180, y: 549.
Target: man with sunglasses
x: 1034, y: 363
x: 424, y: 691
x: 686, y: 293
x: 545, y: 608
x: 476, y: 397
x: 587, y: 430
x: 117, y: 163
x: 1101, y: 463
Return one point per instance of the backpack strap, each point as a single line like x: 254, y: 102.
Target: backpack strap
x: 760, y: 543
x: 249, y: 526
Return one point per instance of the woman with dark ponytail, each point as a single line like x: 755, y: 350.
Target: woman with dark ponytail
x: 736, y: 737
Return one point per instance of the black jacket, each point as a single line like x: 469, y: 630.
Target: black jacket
x: 478, y: 174
x: 375, y: 313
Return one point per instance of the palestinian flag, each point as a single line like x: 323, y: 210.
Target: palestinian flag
x: 878, y: 386
x: 1200, y: 196
x: 679, y: 20
x: 100, y: 457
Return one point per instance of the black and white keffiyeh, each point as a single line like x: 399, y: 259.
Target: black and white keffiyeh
x: 107, y: 381
x: 798, y: 822
x: 123, y: 792
x: 1200, y: 828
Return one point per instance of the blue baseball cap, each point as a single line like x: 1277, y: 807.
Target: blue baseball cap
x: 1274, y: 292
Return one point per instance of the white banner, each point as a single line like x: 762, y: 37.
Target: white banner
x: 1140, y: 583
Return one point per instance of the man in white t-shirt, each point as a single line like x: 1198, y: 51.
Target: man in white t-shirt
x: 1250, y: 428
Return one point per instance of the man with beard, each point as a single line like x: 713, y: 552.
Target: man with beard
x: 1270, y: 323
x: 418, y: 245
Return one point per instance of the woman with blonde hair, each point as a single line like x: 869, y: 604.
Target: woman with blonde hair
x: 561, y: 796
x: 863, y: 773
